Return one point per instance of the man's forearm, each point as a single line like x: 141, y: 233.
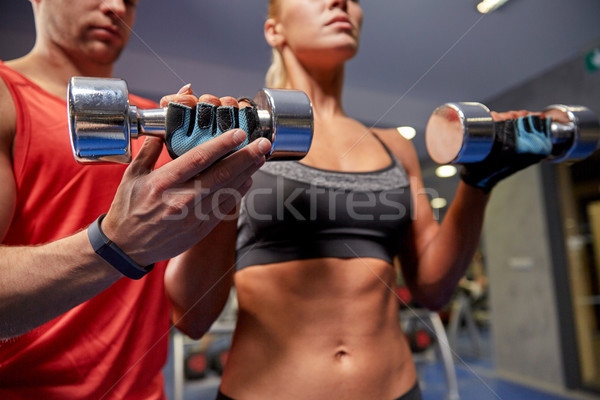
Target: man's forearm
x: 40, y: 283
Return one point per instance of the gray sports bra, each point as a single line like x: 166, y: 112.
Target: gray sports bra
x: 295, y: 212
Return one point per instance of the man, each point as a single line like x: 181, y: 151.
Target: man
x: 72, y: 325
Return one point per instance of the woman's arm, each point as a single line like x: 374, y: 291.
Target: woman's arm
x: 435, y: 256
x: 198, y: 281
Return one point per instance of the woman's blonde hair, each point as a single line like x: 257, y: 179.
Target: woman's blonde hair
x: 276, y: 77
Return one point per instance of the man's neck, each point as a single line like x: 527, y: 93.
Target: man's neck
x: 52, y: 72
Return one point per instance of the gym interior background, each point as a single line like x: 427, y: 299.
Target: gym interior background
x: 541, y: 242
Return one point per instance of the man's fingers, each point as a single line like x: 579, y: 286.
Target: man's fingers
x: 228, y: 174
x: 199, y: 158
x: 243, y: 162
x: 146, y: 158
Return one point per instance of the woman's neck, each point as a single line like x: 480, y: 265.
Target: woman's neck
x: 322, y: 84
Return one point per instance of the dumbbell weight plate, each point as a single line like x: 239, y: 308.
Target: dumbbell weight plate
x: 98, y: 120
x: 286, y: 119
x: 452, y: 137
x: 102, y: 123
x: 575, y: 132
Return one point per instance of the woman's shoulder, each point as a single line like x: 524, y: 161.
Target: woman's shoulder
x: 393, y: 138
x: 402, y: 148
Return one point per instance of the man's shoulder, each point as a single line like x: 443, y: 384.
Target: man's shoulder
x: 8, y: 122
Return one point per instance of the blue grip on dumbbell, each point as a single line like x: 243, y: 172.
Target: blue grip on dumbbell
x: 533, y: 135
x: 518, y: 143
x: 188, y: 127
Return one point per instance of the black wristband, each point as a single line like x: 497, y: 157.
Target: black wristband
x: 108, y: 250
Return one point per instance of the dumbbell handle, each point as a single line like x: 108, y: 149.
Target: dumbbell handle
x: 102, y: 122
x: 148, y: 122
x: 151, y: 122
x: 459, y: 133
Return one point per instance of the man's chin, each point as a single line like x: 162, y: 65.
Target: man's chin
x: 105, y: 56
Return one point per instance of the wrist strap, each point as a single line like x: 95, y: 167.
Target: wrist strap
x: 108, y: 250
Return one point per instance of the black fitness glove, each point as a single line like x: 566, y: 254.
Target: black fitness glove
x: 518, y: 143
x: 187, y: 127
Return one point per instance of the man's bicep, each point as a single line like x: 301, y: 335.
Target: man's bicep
x: 8, y: 190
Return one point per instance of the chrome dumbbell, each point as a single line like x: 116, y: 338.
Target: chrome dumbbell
x: 102, y: 122
x: 459, y: 133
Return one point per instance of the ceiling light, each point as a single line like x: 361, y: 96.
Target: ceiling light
x: 438, y: 202
x: 407, y: 131
x: 487, y: 6
x: 445, y: 171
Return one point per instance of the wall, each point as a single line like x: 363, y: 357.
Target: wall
x: 522, y: 300
x: 528, y: 330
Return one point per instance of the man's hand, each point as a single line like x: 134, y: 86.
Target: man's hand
x: 158, y: 214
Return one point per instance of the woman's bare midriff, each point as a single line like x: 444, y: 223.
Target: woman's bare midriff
x: 318, y: 329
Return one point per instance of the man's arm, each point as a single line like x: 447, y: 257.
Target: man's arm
x: 38, y: 283
x: 8, y: 194
x: 42, y: 282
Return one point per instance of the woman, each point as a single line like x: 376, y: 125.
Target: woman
x: 318, y: 316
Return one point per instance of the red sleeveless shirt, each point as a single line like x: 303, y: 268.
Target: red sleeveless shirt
x: 115, y: 345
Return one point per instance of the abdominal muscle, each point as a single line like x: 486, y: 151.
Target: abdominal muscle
x: 318, y: 329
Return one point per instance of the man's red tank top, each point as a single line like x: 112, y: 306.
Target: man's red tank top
x: 113, y: 346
